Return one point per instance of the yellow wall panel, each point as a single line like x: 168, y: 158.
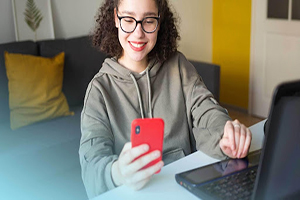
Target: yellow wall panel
x: 231, y: 49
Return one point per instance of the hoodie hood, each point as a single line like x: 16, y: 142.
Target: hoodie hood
x: 112, y: 67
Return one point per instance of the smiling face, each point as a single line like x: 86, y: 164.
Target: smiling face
x: 138, y: 44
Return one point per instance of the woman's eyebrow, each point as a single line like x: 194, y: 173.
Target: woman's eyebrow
x: 134, y: 14
x: 128, y: 12
x: 150, y: 14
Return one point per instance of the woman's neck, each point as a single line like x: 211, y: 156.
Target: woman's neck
x: 135, y: 66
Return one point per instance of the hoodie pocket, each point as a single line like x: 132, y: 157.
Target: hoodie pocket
x: 173, y: 155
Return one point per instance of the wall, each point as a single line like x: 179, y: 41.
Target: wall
x: 218, y: 31
x: 7, y: 33
x: 71, y: 18
x: 195, y: 28
x: 74, y: 17
x: 213, y: 31
x: 231, y: 49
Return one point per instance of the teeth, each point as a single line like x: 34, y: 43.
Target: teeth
x: 138, y: 45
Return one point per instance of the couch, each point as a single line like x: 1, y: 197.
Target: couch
x: 40, y: 161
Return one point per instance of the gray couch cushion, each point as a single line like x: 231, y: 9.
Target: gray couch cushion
x: 81, y: 64
x: 210, y: 74
x: 40, y: 135
x: 26, y: 47
x: 41, y: 160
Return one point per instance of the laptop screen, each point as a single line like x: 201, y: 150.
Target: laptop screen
x: 279, y: 173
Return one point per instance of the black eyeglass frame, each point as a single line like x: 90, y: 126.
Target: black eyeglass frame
x: 139, y: 22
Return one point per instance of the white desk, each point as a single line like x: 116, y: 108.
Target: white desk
x: 164, y: 186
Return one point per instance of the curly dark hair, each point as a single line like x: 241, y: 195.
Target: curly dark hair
x: 105, y: 36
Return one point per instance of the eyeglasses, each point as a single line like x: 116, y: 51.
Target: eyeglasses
x: 129, y: 24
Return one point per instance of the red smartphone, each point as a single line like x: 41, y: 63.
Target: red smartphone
x: 148, y: 131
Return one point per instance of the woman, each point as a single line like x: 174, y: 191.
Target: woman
x: 147, y: 77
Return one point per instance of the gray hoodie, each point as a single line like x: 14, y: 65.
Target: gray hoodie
x: 172, y: 90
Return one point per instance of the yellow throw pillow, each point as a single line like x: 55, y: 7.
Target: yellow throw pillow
x: 35, y: 88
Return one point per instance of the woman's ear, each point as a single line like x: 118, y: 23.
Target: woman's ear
x: 116, y: 18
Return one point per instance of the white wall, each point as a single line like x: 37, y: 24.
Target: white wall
x: 195, y: 28
x: 73, y: 18
x: 7, y: 33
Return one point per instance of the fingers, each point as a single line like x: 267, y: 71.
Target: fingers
x: 225, y: 146
x: 126, y: 147
x: 128, y: 154
x: 236, y: 139
x: 244, y: 142
x: 241, y: 142
x: 247, y: 142
x: 229, y: 133
x: 141, y: 162
x: 130, y: 163
x: 139, y: 179
x: 237, y: 132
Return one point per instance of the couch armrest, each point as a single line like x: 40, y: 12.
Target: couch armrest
x: 210, y: 74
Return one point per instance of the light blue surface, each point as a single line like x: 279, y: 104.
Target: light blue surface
x: 42, y: 165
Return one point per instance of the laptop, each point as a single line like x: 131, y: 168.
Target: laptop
x: 270, y: 173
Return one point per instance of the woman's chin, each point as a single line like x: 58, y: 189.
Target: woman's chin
x: 139, y: 58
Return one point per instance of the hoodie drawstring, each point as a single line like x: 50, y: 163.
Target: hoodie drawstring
x: 149, y: 92
x: 139, y: 94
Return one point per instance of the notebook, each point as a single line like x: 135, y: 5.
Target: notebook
x: 270, y: 173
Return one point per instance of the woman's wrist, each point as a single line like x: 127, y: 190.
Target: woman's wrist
x: 115, y: 174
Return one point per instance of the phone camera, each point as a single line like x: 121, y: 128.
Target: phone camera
x: 137, y: 129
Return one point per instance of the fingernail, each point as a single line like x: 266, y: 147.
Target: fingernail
x: 161, y: 164
x: 156, y: 154
x: 146, y: 147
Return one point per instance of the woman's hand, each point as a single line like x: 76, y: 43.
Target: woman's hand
x: 236, y: 140
x: 128, y: 171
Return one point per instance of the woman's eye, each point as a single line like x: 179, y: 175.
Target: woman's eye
x: 149, y: 21
x: 129, y: 20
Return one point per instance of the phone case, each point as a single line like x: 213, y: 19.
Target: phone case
x: 148, y: 131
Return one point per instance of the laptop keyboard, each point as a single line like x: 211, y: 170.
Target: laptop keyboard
x: 236, y: 186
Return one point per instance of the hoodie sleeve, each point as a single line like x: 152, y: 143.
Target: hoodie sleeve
x: 96, y: 145
x: 206, y: 117
x: 209, y: 120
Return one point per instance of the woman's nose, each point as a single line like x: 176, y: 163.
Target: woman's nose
x: 139, y: 30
